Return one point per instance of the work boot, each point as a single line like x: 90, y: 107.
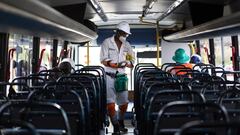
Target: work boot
x: 122, y: 126
x: 116, y: 130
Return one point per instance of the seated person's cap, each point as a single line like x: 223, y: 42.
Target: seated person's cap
x: 196, y: 59
x: 180, y: 56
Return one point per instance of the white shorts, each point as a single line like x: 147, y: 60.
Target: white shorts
x: 119, y: 98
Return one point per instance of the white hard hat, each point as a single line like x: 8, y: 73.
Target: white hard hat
x: 124, y: 26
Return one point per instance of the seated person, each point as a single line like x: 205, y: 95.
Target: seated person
x: 64, y: 68
x: 195, y: 59
x: 71, y: 62
x: 181, y: 58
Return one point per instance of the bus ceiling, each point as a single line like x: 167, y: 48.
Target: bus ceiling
x: 77, y: 20
x: 186, y: 18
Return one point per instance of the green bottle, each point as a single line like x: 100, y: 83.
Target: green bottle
x: 121, y: 83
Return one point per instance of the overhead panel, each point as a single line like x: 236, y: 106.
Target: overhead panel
x: 54, y: 3
x: 182, y: 11
x: 204, y: 12
x: 227, y: 25
x: 32, y: 17
x: 75, y: 11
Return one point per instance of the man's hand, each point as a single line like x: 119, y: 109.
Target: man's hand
x: 122, y: 64
x: 117, y: 65
x: 129, y: 64
x: 109, y: 64
x: 113, y: 65
x: 105, y: 63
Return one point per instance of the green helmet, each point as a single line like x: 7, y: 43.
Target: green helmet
x: 180, y: 56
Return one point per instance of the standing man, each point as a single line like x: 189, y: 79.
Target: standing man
x: 116, y: 54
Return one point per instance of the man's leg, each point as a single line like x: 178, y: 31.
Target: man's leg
x: 111, y: 96
x: 122, y: 111
x: 122, y: 100
x: 113, y: 117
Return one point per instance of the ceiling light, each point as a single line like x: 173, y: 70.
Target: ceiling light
x: 98, y: 8
x: 147, y: 7
x: 170, y: 9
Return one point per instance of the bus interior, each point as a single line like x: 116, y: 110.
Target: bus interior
x: 35, y: 35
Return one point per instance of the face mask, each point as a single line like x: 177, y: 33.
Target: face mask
x: 122, y: 38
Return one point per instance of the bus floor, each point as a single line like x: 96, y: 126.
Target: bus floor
x: 127, y: 121
x: 128, y: 126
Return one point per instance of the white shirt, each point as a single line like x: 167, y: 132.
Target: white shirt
x: 109, y: 51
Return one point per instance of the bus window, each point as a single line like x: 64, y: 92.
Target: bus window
x: 204, y: 46
x: 218, y: 46
x: 59, y: 51
x: 93, y: 55
x: 20, y: 55
x: 238, y: 47
x: 45, y: 53
x: 227, y: 51
x: 139, y: 48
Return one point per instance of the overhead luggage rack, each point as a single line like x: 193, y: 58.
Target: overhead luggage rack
x: 35, y: 18
x: 228, y: 25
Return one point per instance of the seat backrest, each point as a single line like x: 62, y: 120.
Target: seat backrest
x: 160, y: 99
x: 44, y: 116
x: 230, y: 99
x: 174, y: 114
x: 210, y: 128
x: 8, y: 127
x: 70, y: 101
